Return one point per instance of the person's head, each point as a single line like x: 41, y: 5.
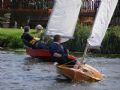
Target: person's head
x: 26, y: 28
x: 39, y: 28
x: 57, y: 38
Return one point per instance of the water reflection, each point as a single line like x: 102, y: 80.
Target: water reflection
x: 31, y: 61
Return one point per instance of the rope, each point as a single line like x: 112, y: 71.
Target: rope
x: 65, y: 64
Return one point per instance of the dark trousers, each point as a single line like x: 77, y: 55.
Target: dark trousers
x: 64, y: 60
x: 39, y: 45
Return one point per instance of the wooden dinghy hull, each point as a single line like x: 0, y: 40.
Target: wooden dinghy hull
x: 43, y: 54
x: 85, y: 73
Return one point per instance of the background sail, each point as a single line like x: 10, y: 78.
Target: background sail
x: 102, y: 21
x: 63, y: 18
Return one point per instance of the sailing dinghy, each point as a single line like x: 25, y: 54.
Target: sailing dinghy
x: 43, y: 54
x: 63, y: 21
x: 85, y: 73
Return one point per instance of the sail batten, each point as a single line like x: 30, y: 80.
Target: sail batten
x: 64, y: 18
x: 103, y: 18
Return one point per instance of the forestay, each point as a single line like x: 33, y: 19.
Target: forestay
x: 103, y: 18
x: 63, y: 18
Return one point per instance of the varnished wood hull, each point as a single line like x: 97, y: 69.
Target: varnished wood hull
x: 85, y: 73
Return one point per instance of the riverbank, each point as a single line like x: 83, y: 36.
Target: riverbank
x: 110, y: 44
x: 77, y: 54
x: 11, y: 38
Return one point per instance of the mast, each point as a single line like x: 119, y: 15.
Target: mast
x: 85, y: 53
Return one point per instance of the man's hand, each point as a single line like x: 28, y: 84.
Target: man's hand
x: 78, y: 65
x: 57, y: 55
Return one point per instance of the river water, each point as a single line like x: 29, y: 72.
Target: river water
x: 18, y: 71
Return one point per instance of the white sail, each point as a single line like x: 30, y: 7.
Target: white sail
x: 103, y: 18
x: 63, y: 18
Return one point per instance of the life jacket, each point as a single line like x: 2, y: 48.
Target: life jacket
x: 28, y: 40
x: 33, y: 41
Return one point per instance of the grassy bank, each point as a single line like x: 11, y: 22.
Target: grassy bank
x: 11, y: 38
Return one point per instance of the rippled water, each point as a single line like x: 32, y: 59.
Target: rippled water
x: 20, y: 72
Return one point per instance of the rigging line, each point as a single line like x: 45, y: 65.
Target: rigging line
x: 84, y: 54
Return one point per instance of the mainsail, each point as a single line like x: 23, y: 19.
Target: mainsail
x: 64, y: 18
x: 103, y: 18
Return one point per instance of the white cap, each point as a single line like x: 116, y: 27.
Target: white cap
x: 39, y: 27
